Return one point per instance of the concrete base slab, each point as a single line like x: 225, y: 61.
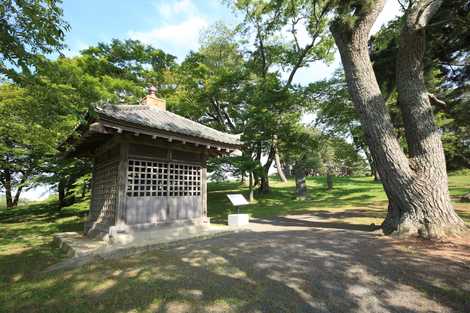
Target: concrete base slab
x: 77, y: 245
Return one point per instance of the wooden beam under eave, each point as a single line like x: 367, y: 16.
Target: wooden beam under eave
x: 97, y: 127
x: 168, y: 137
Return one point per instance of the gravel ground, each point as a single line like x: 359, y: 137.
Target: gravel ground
x: 290, y: 266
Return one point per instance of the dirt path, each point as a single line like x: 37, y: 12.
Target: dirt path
x: 292, y: 266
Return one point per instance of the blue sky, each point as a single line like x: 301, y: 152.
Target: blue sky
x: 173, y: 26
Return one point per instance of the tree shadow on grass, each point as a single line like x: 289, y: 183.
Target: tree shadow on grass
x: 26, y: 238
x: 282, y: 201
x: 284, y: 221
x: 40, y: 211
x: 353, y: 213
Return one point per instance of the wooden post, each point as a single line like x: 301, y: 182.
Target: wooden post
x: 204, y: 184
x: 92, y: 191
x: 204, y: 190
x: 122, y: 184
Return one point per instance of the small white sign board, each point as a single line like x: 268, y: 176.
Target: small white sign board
x: 237, y: 199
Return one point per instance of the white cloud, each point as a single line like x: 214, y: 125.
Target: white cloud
x: 168, y: 10
x: 184, y: 34
x: 74, y: 49
x: 178, y: 28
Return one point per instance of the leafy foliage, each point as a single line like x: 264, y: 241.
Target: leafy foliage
x: 29, y: 28
x: 27, y: 133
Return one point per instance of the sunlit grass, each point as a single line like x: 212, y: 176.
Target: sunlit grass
x: 360, y: 199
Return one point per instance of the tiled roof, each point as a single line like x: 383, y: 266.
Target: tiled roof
x: 150, y: 116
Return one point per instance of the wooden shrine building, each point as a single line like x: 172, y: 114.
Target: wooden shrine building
x: 149, y: 166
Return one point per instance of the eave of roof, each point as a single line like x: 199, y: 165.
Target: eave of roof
x: 152, y: 119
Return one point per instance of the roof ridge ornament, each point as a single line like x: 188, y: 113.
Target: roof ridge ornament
x: 152, y: 100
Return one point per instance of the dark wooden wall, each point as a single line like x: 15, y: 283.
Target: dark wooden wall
x: 143, y: 181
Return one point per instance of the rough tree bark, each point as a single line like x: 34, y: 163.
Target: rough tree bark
x: 277, y: 159
x: 6, y: 181
x: 373, y: 169
x: 264, y: 179
x: 61, y: 192
x: 329, y: 180
x: 287, y: 169
x: 251, y: 187
x: 416, y: 187
x: 243, y: 178
x: 16, y: 199
x: 300, y: 183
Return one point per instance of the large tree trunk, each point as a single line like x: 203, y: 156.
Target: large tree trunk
x: 61, y: 192
x: 434, y: 209
x: 373, y: 168
x: 286, y: 168
x: 418, y: 197
x: 8, y: 189
x: 11, y: 201
x: 329, y: 180
x: 264, y: 179
x: 264, y: 184
x: 251, y: 187
x: 300, y: 183
x: 242, y: 178
x: 17, y: 196
x: 277, y: 159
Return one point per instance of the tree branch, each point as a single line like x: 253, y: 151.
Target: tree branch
x: 308, y: 47
x: 435, y: 99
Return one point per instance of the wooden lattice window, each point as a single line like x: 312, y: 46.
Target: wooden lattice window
x: 147, y: 179
x: 104, y: 190
x: 161, y: 179
x: 184, y: 180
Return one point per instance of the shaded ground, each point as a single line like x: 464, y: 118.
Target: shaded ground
x: 317, y: 255
x: 278, y: 267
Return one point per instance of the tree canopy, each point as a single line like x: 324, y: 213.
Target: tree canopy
x: 28, y: 29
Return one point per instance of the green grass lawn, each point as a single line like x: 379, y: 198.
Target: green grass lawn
x: 26, y: 231
x: 355, y: 200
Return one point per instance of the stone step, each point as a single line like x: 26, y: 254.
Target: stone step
x: 77, y: 245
